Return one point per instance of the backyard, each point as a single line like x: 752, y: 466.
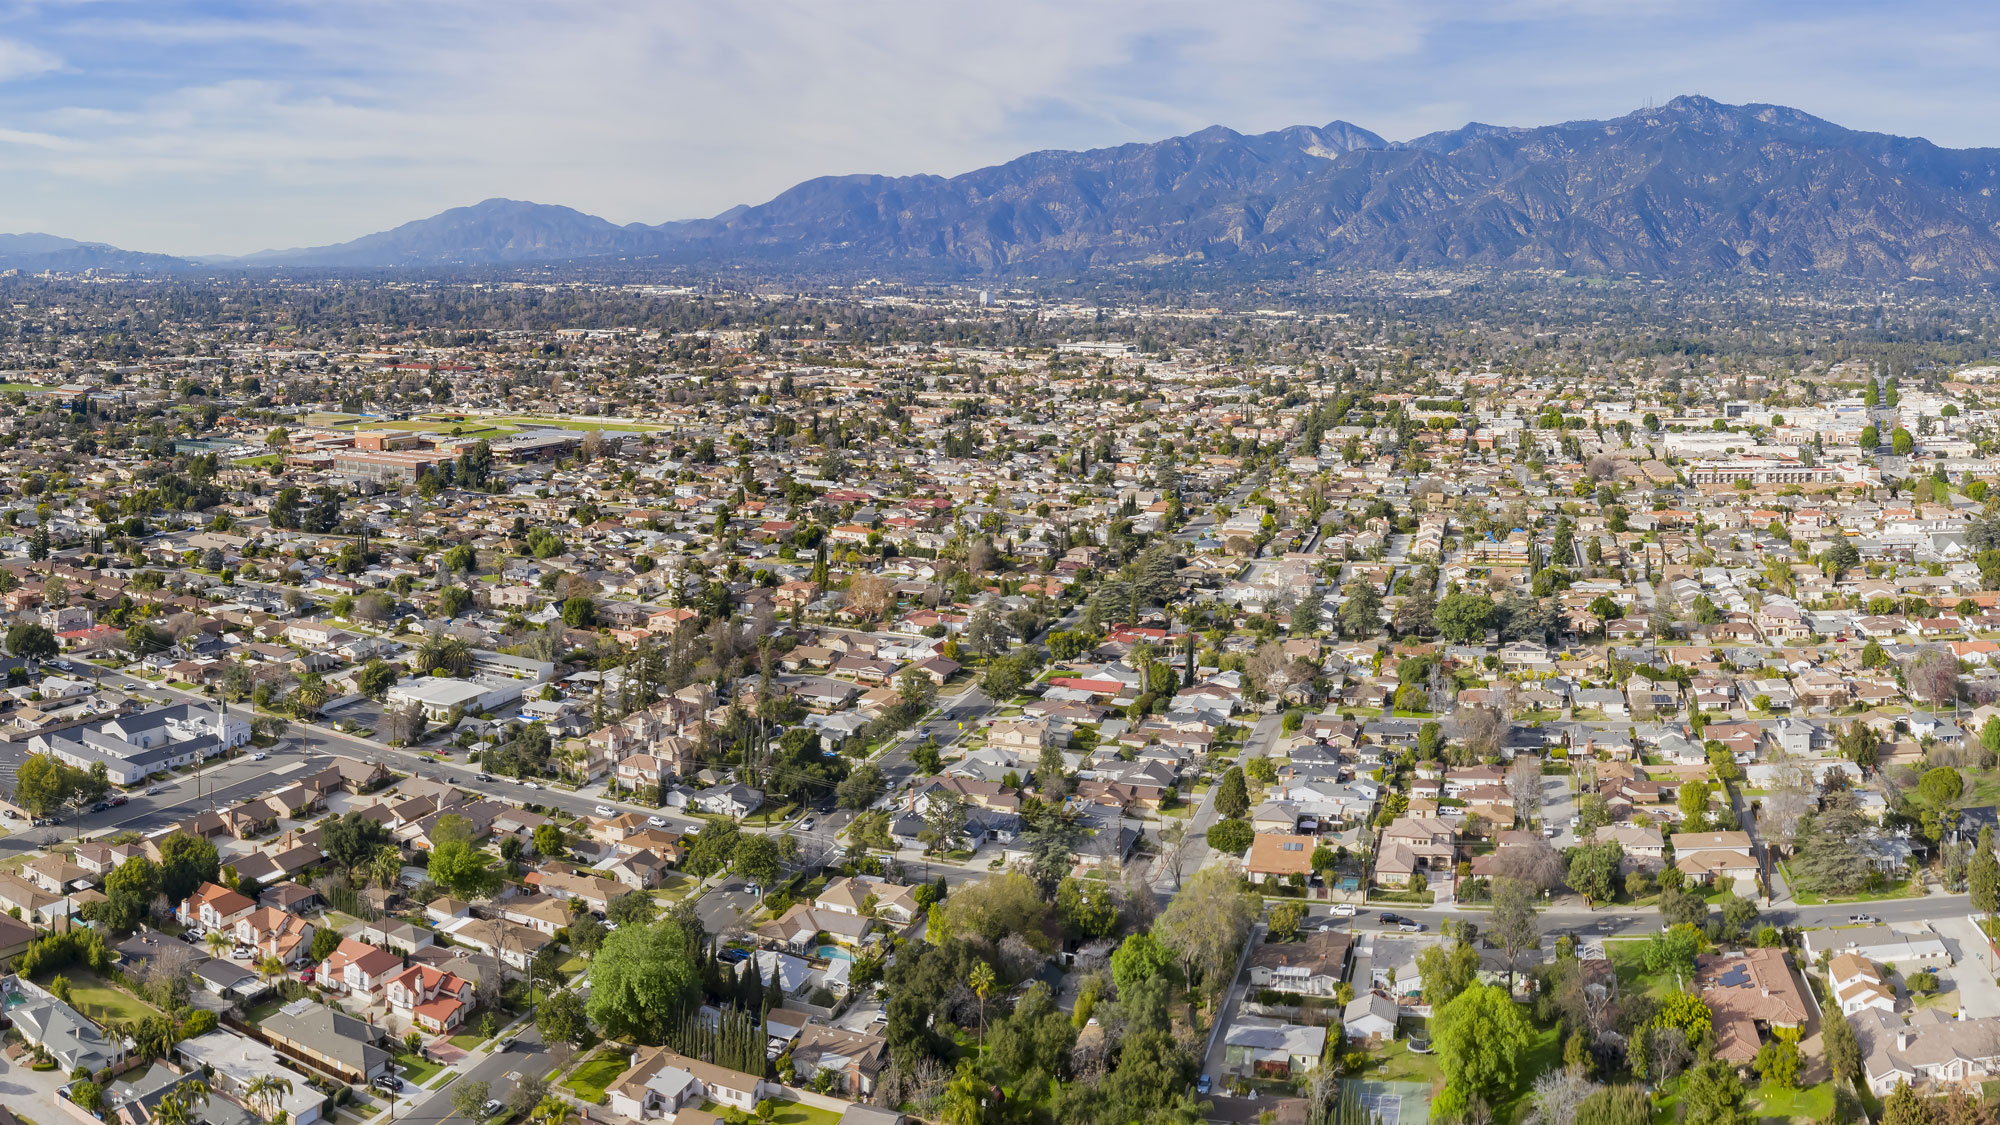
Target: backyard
x: 102, y: 1001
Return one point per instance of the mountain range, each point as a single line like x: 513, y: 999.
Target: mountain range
x: 1687, y: 189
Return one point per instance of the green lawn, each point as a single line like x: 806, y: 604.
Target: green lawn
x: 1813, y: 1103
x: 467, y: 1040
x: 598, y: 1072
x: 1544, y: 1053
x: 1395, y: 1063
x: 789, y: 1113
x: 262, y: 1010
x: 416, y: 1070
x: 1909, y: 889
x: 101, y: 1001
x: 673, y: 888
x: 1628, y: 960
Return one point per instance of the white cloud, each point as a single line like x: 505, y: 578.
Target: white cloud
x: 174, y: 128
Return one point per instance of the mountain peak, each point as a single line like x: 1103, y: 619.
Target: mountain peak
x: 1691, y: 187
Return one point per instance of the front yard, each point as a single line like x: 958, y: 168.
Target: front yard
x: 589, y: 1081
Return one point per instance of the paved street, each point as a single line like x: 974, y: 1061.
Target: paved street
x: 526, y: 1057
x: 1196, y: 852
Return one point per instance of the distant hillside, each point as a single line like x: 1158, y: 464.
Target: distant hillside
x: 495, y: 232
x: 34, y: 253
x: 1692, y: 188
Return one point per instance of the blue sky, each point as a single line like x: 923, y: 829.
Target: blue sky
x: 204, y: 128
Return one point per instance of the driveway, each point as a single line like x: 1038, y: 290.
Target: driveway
x: 1558, y: 805
x: 1972, y: 966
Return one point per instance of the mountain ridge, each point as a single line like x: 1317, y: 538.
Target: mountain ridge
x: 1690, y: 188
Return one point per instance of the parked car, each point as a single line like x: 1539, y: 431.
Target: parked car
x: 155, y: 790
x: 605, y: 810
x: 307, y: 974
x: 120, y: 799
x: 486, y: 777
x: 1202, y: 1084
x: 1410, y: 927
x: 492, y: 1107
x: 1864, y: 920
x: 657, y: 821
x: 525, y: 784
x: 806, y: 824
x: 387, y: 1082
x: 100, y: 806
x: 1343, y: 910
x: 1387, y: 919
x: 243, y: 952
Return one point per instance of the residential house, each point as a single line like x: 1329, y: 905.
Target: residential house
x: 1254, y: 1047
x: 1313, y: 967
x: 1748, y: 993
x: 357, y: 967
x: 329, y: 1040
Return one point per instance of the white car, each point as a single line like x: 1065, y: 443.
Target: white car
x: 657, y: 821
x: 604, y: 810
x: 1343, y: 910
x: 529, y: 785
x: 259, y: 756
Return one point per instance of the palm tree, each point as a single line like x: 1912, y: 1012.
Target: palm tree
x: 265, y: 1091
x: 217, y: 941
x: 387, y: 866
x: 177, y: 1108
x: 982, y: 982
x: 173, y: 1111
x: 270, y: 966
x: 551, y: 1110
x: 309, y: 696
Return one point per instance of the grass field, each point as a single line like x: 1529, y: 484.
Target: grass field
x: 100, y: 1001
x: 416, y: 1070
x: 789, y: 1113
x: 598, y: 1072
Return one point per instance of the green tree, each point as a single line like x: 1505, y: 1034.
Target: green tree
x: 1231, y: 836
x: 453, y: 600
x: 186, y: 862
x: 31, y: 641
x: 1713, y: 1095
x: 469, y: 1098
x: 1593, y: 871
x: 756, y: 858
x: 129, y: 891
x: 1232, y: 796
x: 579, y: 612
x: 1614, y: 1105
x: 457, y: 863
x: 1447, y: 971
x: 1463, y: 617
x: 376, y: 677
x: 550, y: 840
x: 1206, y: 924
x: 1900, y: 442
x: 561, y: 1018
x: 352, y: 841
x: 643, y: 981
x: 1841, y: 1048
x: 1140, y: 958
x: 1480, y: 1038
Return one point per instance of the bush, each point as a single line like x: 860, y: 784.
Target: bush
x: 1232, y: 836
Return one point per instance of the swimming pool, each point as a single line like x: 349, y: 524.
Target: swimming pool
x: 834, y: 953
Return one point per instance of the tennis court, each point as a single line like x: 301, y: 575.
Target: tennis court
x: 1393, y: 1103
